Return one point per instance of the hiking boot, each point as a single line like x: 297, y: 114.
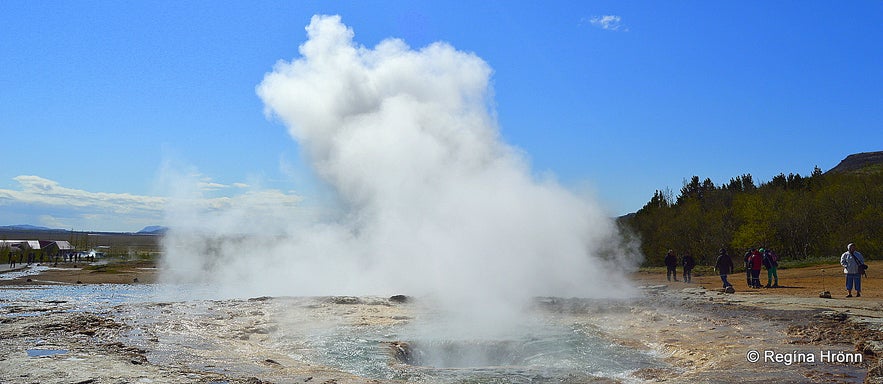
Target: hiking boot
x: 858, y: 294
x: 769, y: 286
x: 849, y: 295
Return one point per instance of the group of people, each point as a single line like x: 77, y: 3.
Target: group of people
x: 763, y: 257
x: 756, y: 258
x: 687, y: 261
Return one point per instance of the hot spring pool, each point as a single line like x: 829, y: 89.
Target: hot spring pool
x: 369, y: 337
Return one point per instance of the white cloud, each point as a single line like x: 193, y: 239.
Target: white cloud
x: 40, y: 191
x: 46, y: 202
x: 608, y: 22
x: 211, y: 186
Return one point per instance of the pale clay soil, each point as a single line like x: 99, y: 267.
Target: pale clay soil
x: 702, y: 334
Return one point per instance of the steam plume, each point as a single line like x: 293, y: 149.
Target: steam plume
x: 435, y: 203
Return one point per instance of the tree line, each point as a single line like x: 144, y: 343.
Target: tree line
x: 799, y: 217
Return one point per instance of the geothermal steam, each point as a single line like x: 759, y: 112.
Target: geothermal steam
x: 434, y: 203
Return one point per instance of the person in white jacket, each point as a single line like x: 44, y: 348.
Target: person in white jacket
x: 852, y: 260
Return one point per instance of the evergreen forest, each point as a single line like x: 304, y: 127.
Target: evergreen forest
x: 798, y: 217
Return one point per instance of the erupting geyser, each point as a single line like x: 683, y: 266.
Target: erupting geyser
x: 435, y: 204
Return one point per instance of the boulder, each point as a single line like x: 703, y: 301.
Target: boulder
x: 399, y: 299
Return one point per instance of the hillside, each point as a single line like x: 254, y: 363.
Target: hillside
x: 863, y: 162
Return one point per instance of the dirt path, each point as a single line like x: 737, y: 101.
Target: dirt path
x: 798, y: 282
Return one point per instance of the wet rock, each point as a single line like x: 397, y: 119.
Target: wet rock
x: 653, y: 288
x: 272, y: 362
x: 399, y: 299
x: 825, y: 294
x: 655, y: 374
x: 875, y: 374
x: 345, y: 300
x: 870, y: 347
x: 262, y: 330
x: 545, y: 300
x: 262, y: 298
x: 832, y: 315
x: 402, y: 352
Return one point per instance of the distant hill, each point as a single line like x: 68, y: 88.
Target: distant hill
x: 26, y: 227
x: 153, y: 230
x: 860, y: 162
x: 36, y: 230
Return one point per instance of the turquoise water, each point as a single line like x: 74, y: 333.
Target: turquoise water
x: 46, y: 352
x: 539, y: 352
x: 95, y: 297
x: 545, y: 353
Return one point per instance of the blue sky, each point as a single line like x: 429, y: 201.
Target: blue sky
x: 98, y: 100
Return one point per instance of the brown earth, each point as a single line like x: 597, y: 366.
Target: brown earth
x: 72, y: 273
x: 800, y: 282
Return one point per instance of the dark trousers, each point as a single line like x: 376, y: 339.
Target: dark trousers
x: 755, y: 278
x: 724, y: 280
x: 672, y: 272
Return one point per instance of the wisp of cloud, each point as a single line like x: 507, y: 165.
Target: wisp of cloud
x: 434, y: 203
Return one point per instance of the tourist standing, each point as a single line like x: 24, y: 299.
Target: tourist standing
x: 771, y: 263
x: 748, y: 266
x: 724, y: 266
x: 688, y: 264
x: 853, y: 266
x: 755, y: 261
x: 671, y: 262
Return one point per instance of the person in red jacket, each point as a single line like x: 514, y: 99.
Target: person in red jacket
x: 755, y: 261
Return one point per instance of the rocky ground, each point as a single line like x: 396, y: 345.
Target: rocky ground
x: 700, y: 333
